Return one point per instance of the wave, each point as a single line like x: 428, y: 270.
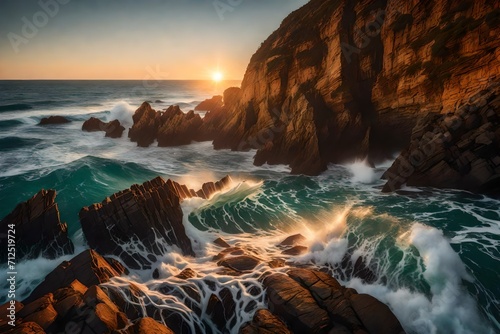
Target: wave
x: 15, y: 107
x: 15, y: 143
x: 10, y: 123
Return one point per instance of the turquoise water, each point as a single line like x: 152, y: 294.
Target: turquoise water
x: 436, y: 254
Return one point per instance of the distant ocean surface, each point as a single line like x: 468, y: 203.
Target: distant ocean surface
x: 436, y: 253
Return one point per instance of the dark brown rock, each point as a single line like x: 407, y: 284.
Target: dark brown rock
x: 295, y: 250
x: 187, y: 274
x: 264, y: 322
x: 376, y: 316
x: 38, y: 229
x: 8, y: 313
x: 210, y: 104
x: 40, y: 311
x: 143, y: 212
x: 240, y: 263
x: 54, y: 120
x: 88, y: 267
x: 177, y: 128
x: 295, y: 304
x: 113, y: 129
x: 149, y: 326
x: 27, y: 328
x: 145, y: 126
x: 221, y: 243
x: 293, y: 240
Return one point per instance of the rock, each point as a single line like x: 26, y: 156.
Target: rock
x: 187, y: 274
x: 376, y: 316
x: 210, y: 104
x: 88, y: 267
x: 221, y: 309
x: 240, y: 263
x: 143, y: 212
x: 228, y: 251
x: 28, y: 328
x: 464, y: 160
x: 113, y: 129
x: 221, y: 243
x: 178, y: 128
x: 40, y: 311
x: 145, y: 126
x: 54, y: 120
x: 264, y: 322
x: 149, y: 326
x: 293, y: 240
x: 295, y: 250
x: 8, y: 312
x: 293, y: 303
x: 38, y: 229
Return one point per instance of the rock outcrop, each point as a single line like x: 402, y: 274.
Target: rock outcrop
x: 54, y: 120
x: 170, y: 127
x: 70, y: 300
x: 310, y: 301
x: 341, y: 80
x: 459, y: 149
x: 36, y: 227
x: 149, y: 214
x: 210, y: 104
x: 112, y: 129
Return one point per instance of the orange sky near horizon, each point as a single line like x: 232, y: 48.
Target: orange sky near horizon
x: 131, y: 40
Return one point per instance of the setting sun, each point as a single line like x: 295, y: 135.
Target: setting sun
x: 217, y: 76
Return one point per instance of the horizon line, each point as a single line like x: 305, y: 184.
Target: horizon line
x: 1, y: 79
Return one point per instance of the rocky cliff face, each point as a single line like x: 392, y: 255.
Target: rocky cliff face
x: 342, y: 79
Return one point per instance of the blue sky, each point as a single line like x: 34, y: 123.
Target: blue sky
x: 124, y: 39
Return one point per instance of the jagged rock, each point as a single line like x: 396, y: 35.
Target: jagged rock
x: 8, y: 313
x: 38, y: 229
x: 177, y: 128
x: 221, y: 309
x: 187, y: 274
x: 143, y: 212
x: 264, y: 322
x: 293, y: 303
x: 40, y: 311
x: 221, y: 243
x: 145, y: 126
x: 452, y: 151
x: 210, y: 104
x: 240, y: 263
x: 54, y: 120
x: 149, y: 326
x: 88, y: 267
x: 313, y: 301
x: 113, y: 129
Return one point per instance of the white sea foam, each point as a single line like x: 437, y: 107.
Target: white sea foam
x: 362, y: 172
x: 122, y: 112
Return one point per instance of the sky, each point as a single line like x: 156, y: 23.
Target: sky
x: 133, y: 39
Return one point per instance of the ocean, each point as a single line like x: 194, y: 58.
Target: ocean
x: 435, y: 253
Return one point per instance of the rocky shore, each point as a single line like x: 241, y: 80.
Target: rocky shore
x: 78, y: 296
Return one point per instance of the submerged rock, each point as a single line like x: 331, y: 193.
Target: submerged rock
x: 113, y: 129
x: 54, y: 120
x: 37, y: 229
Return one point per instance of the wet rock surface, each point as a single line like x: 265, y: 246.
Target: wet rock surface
x: 112, y: 129
x: 38, y: 229
x: 459, y: 149
x: 54, y: 120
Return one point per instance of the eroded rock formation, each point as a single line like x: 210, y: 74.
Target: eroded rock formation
x: 149, y: 214
x: 112, y: 129
x: 36, y: 228
x: 460, y: 149
x: 54, y: 120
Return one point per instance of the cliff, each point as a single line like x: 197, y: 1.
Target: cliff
x: 341, y: 80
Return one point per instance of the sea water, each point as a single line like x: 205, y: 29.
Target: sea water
x: 435, y: 253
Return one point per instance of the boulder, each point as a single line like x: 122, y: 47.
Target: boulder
x: 38, y: 229
x: 221, y: 243
x: 149, y: 326
x: 264, y: 322
x: 54, y: 120
x: 145, y: 126
x: 88, y: 268
x: 210, y: 104
x: 240, y: 263
x: 376, y: 316
x: 293, y: 240
x: 178, y: 128
x: 27, y: 328
x: 113, y: 129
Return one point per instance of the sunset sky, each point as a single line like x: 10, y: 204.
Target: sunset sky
x: 131, y: 39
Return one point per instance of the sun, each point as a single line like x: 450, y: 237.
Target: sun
x: 217, y: 76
